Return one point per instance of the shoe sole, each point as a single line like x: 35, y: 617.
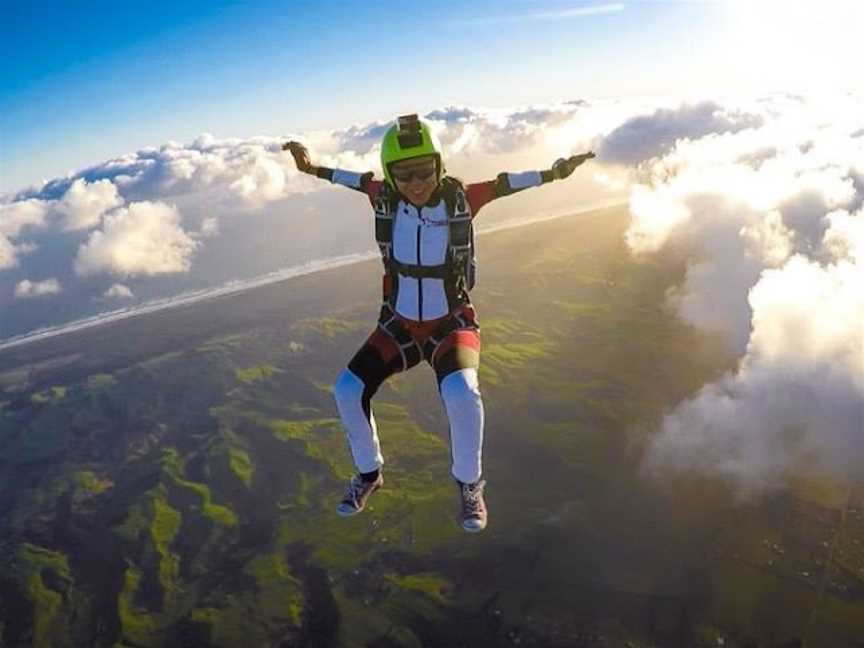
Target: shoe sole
x: 347, y: 514
x: 473, y: 529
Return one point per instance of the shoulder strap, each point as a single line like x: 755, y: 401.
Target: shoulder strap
x: 461, y: 232
x: 450, y: 190
x: 458, y: 214
x: 386, y: 203
x: 385, y: 206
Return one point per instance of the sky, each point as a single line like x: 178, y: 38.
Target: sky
x: 82, y: 82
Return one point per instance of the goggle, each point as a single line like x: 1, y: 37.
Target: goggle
x: 421, y: 172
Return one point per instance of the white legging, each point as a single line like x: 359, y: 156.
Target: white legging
x: 460, y: 393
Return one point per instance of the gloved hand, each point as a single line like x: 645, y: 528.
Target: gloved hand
x: 563, y: 167
x: 301, y: 155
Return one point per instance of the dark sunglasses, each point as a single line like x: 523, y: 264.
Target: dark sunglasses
x: 420, y: 172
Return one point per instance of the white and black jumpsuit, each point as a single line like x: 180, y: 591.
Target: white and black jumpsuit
x: 423, y: 309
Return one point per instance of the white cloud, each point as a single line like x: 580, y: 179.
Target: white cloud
x: 173, y: 169
x: 777, y: 264
x: 27, y: 289
x: 209, y: 227
x: 8, y: 259
x: 263, y: 178
x: 14, y: 218
x: 466, y: 131
x: 796, y: 401
x: 844, y: 238
x: 646, y: 136
x: 254, y: 172
x: 118, y: 291
x: 83, y: 204
x: 144, y: 238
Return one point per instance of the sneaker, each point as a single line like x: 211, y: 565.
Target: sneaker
x: 356, y: 495
x: 473, y: 506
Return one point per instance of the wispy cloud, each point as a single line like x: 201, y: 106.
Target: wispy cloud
x: 558, y: 14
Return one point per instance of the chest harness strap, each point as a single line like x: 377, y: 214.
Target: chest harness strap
x: 458, y: 273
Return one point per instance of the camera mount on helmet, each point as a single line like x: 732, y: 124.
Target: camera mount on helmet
x: 409, y: 132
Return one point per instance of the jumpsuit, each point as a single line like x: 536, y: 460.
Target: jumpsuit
x: 422, y: 309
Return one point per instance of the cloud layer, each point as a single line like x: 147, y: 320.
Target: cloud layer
x: 199, y: 214
x: 772, y: 217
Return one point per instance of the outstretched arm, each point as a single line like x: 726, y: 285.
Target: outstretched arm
x: 359, y: 181
x: 507, y: 184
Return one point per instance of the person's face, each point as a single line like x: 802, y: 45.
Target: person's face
x: 416, y: 179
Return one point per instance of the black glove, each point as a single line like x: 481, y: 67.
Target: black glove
x: 563, y: 167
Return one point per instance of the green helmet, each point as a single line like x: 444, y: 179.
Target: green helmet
x: 409, y: 138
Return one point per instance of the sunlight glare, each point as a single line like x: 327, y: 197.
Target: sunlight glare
x: 804, y: 46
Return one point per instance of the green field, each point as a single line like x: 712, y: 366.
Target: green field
x: 181, y: 491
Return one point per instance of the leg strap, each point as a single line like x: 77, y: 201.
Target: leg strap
x: 408, y: 348
x: 451, y: 324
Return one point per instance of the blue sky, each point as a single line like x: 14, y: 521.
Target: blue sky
x: 83, y: 82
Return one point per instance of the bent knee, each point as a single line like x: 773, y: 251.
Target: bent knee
x: 461, y: 385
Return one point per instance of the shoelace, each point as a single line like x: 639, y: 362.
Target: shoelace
x: 473, y: 498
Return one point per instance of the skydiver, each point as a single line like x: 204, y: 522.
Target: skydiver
x: 424, y: 230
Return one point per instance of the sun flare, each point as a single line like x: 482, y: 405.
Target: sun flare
x: 802, y: 45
